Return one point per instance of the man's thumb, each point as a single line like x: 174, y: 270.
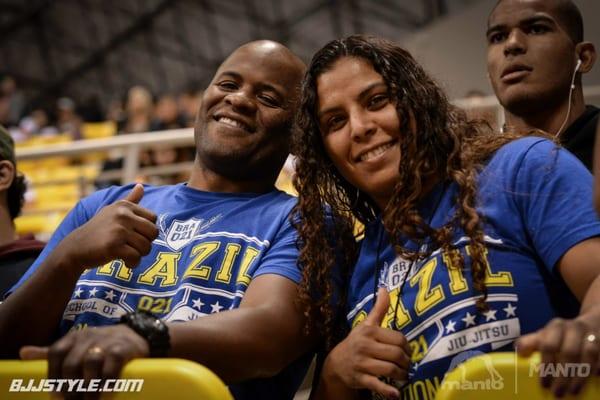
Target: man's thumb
x: 382, y: 304
x: 33, y: 353
x: 136, y: 194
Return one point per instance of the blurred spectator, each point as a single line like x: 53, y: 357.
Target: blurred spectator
x: 115, y: 111
x: 13, y: 101
x: 138, y: 111
x: 16, y: 254
x: 478, y: 109
x: 67, y: 119
x: 137, y: 119
x: 166, y: 114
x: 37, y: 123
x: 189, y: 103
x: 91, y: 110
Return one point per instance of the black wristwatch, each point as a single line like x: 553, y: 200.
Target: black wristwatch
x: 150, y: 328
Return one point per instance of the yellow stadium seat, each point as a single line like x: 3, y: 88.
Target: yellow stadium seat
x: 39, y: 223
x: 96, y: 130
x: 163, y: 378
x: 500, y: 376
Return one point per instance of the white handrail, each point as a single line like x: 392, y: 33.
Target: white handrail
x: 173, y: 138
x: 132, y: 143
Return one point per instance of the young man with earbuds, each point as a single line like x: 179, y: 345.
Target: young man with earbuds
x: 536, y: 56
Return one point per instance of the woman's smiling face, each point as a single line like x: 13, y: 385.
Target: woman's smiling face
x: 360, y: 126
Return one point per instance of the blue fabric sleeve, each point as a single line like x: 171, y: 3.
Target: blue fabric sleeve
x: 553, y: 190
x: 79, y: 215
x: 73, y: 220
x: 282, y: 256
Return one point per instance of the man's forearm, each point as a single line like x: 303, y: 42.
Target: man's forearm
x: 32, y: 313
x: 240, y: 344
x: 590, y: 306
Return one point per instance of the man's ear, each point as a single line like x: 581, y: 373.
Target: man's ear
x: 587, y: 55
x: 7, y: 174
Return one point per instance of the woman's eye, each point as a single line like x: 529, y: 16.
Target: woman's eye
x: 334, y: 123
x: 378, y: 101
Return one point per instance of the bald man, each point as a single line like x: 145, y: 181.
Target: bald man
x: 204, y: 270
x: 536, y: 58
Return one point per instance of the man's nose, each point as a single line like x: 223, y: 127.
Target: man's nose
x: 241, y: 101
x: 516, y: 43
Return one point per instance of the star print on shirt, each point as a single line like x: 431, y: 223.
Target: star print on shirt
x: 450, y: 326
x: 197, y: 303
x: 78, y: 292
x: 510, y: 310
x: 216, y: 307
x: 469, y: 320
x: 109, y: 295
x: 490, y: 315
x: 93, y: 292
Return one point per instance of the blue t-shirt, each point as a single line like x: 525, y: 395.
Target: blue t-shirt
x: 536, y: 201
x: 210, y: 246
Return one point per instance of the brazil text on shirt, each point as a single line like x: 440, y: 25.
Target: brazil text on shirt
x: 210, y: 246
x: 536, y: 203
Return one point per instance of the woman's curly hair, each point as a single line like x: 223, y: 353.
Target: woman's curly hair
x: 445, y: 147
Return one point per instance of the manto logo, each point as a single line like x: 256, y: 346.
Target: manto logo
x: 494, y: 381
x: 564, y: 370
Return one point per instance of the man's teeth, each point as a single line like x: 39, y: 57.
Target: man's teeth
x: 375, y: 152
x: 232, y: 122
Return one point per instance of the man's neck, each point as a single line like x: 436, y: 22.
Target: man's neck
x: 207, y: 180
x: 549, y: 120
x: 8, y: 233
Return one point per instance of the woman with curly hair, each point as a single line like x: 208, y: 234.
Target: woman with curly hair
x: 473, y: 240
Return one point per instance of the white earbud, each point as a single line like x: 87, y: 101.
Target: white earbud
x: 577, y: 66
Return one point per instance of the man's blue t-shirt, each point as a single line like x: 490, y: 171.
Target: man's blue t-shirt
x: 210, y: 247
x: 536, y: 203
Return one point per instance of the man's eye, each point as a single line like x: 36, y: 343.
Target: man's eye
x: 227, y: 85
x: 496, y: 37
x: 538, y: 29
x: 269, y: 100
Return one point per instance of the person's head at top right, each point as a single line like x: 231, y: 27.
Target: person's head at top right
x: 535, y: 49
